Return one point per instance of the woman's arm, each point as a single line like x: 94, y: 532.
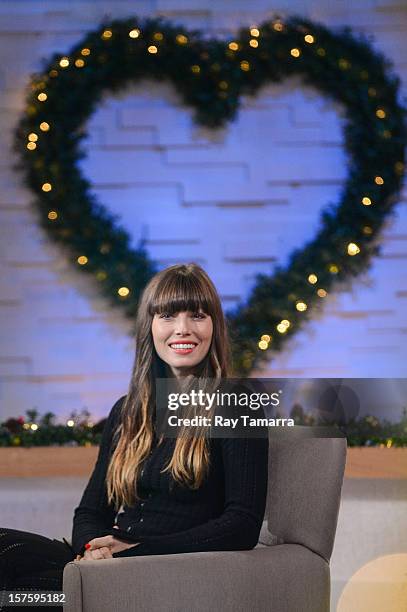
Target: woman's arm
x: 94, y: 516
x: 245, y: 462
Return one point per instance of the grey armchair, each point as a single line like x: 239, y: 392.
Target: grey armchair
x: 305, y: 480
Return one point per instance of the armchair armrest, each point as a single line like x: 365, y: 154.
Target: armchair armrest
x: 278, y: 578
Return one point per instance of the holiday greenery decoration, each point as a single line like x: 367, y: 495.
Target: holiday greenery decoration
x: 211, y: 76
x: 79, y: 430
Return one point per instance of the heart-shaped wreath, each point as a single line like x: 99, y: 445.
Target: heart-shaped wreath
x: 210, y: 76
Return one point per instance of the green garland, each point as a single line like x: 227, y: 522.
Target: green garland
x: 210, y: 76
x: 38, y: 430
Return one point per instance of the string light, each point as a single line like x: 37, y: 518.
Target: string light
x: 158, y: 36
x: 254, y: 43
x: 283, y: 326
x: 309, y: 39
x: 343, y: 64
x: 70, y: 423
x: 107, y: 34
x: 263, y: 345
x: 196, y: 69
x: 278, y: 26
x: 85, y: 51
x: 64, y: 62
x: 79, y: 63
x: 333, y: 269
x: 321, y: 293
x: 123, y: 291
x: 295, y: 52
x: 82, y: 260
x: 233, y: 46
x: 266, y: 338
x: 44, y: 126
x: 181, y: 39
x: 321, y: 52
x: 312, y: 278
x: 52, y: 215
x: 367, y: 230
x: 379, y: 180
x: 254, y: 32
x: 34, y: 426
x: 301, y: 306
x: 42, y: 96
x: 380, y: 113
x: 353, y: 249
x: 33, y: 137
x: 134, y: 33
x: 244, y: 65
x: 31, y: 146
x: 366, y: 201
x: 152, y: 49
x: 46, y: 187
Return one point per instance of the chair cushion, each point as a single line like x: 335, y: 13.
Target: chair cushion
x: 267, y: 538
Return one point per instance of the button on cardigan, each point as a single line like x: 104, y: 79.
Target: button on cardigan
x: 224, y: 513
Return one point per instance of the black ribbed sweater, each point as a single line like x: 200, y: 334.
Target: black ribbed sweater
x: 225, y: 513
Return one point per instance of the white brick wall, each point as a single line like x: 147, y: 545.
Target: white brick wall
x: 220, y: 199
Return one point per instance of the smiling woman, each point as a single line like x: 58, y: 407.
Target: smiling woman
x: 150, y: 494
x: 182, y: 340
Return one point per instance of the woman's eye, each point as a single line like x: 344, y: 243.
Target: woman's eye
x: 199, y: 315
x: 165, y: 315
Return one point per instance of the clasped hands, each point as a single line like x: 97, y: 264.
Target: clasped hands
x: 104, y: 548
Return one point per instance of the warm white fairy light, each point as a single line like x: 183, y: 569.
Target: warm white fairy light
x: 353, y: 248
x: 123, y: 291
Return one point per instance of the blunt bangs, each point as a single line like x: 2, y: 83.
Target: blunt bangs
x: 178, y: 292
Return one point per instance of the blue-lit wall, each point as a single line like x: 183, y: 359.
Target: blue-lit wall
x: 237, y: 201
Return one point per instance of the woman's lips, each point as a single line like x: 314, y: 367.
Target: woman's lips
x: 183, y: 348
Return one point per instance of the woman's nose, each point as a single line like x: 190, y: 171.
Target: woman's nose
x: 182, y: 325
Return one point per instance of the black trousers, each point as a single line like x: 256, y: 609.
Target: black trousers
x: 31, y: 562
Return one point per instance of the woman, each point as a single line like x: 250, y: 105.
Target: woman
x: 151, y: 494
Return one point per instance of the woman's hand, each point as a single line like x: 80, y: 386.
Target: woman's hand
x: 104, y: 548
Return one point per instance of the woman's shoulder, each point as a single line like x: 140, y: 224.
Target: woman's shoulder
x: 114, y: 415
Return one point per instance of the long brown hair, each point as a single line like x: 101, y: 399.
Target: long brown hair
x: 182, y: 287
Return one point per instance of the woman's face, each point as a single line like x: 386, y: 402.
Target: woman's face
x: 182, y: 340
